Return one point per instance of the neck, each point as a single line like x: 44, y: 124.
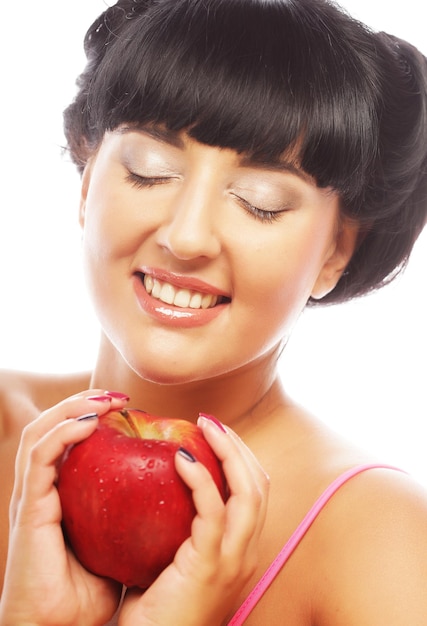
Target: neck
x: 239, y: 398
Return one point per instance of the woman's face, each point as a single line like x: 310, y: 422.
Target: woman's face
x: 199, y: 261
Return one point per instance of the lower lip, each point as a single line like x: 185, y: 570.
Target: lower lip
x: 171, y: 315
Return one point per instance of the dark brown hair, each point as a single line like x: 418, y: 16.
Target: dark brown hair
x: 264, y: 77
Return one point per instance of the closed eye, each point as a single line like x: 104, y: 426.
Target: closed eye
x: 144, y: 182
x: 263, y: 215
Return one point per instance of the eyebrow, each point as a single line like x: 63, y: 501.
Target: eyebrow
x: 173, y: 138
x: 160, y: 134
x: 277, y: 166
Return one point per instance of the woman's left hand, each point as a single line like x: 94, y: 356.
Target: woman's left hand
x: 212, y: 566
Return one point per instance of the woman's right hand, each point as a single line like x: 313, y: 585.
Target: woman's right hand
x: 210, y: 569
x: 44, y: 584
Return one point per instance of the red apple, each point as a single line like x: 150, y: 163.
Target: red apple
x: 125, y: 508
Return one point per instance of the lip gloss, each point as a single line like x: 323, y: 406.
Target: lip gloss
x: 181, y: 281
x: 171, y: 315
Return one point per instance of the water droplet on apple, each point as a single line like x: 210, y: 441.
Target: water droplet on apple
x: 161, y: 502
x: 111, y: 461
x: 116, y: 479
x: 151, y: 463
x: 96, y: 470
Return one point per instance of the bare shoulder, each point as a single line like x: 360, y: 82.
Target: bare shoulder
x: 25, y: 394
x: 371, y: 552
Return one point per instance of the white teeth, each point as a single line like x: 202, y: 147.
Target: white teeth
x: 183, y: 298
x: 167, y: 293
x: 196, y: 301
x: 207, y: 301
x: 149, y: 283
x: 156, y: 289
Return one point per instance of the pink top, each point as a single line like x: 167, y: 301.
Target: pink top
x: 294, y: 540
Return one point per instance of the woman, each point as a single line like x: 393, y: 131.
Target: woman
x: 239, y: 161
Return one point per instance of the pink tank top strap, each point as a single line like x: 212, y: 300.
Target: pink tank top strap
x: 294, y: 540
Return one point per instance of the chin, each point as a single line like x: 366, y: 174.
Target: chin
x: 173, y: 374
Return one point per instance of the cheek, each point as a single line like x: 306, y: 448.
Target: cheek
x: 104, y: 241
x: 111, y: 226
x: 283, y: 271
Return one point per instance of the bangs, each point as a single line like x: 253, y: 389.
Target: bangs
x: 233, y: 74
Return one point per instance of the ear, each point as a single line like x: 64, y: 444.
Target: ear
x: 85, y: 182
x: 338, y: 258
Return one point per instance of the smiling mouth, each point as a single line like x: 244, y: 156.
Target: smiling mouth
x: 177, y: 296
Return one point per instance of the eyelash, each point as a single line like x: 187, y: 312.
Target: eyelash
x: 145, y: 182
x: 262, y: 215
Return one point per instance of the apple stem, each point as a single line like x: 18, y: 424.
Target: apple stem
x: 131, y: 423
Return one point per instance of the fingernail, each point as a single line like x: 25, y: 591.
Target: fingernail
x: 104, y: 398
x: 117, y: 395
x: 186, y: 455
x: 213, y: 420
x: 87, y: 416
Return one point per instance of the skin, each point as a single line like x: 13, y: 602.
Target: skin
x: 196, y: 226
x: 358, y: 564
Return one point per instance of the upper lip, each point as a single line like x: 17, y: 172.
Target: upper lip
x: 182, y: 281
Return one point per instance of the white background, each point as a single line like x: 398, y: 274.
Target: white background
x: 360, y: 367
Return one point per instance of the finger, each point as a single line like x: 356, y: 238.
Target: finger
x: 208, y: 525
x: 248, y: 483
x: 72, y: 406
x: 241, y: 467
x: 33, y: 432
x: 39, y: 503
x: 97, y: 400
x: 93, y: 400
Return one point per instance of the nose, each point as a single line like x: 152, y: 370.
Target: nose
x: 189, y: 230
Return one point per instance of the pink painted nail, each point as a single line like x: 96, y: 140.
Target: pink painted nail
x: 99, y: 398
x: 117, y: 395
x: 214, y: 420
